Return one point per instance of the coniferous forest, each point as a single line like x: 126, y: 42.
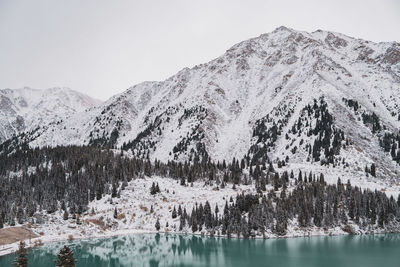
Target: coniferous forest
x: 68, y: 178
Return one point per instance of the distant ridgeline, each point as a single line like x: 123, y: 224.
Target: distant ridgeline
x: 324, y: 144
x: 313, y: 137
x: 68, y: 178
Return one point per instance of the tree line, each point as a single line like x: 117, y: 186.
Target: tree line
x: 311, y: 203
x: 68, y: 178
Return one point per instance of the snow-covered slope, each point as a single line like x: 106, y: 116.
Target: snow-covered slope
x: 26, y: 109
x: 264, y: 97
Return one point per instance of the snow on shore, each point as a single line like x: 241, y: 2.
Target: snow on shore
x: 135, y: 216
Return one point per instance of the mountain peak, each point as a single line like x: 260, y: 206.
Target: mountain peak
x: 253, y: 100
x: 28, y: 108
x: 283, y: 28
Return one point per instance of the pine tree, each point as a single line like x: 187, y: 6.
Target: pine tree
x: 114, y: 190
x: 300, y: 177
x: 381, y: 218
x: 20, y: 215
x: 194, y: 224
x: 373, y: 170
x: 393, y: 151
x: 22, y: 256
x: 65, y: 258
x: 157, y: 189
x: 153, y: 189
x: 179, y: 210
x: 65, y: 216
x: 174, y: 213
x: 115, y: 213
x: 158, y: 224
x: 181, y: 223
x: 147, y: 168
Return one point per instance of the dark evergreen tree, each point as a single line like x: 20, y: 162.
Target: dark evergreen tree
x: 65, y: 258
x: 22, y: 256
x: 114, y: 190
x: 373, y: 170
x: 65, y: 216
x: 157, y: 189
x: 115, y: 213
x: 157, y: 224
x: 179, y: 210
x: 154, y: 189
x: 174, y: 213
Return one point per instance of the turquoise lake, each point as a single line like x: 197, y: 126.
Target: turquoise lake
x: 181, y: 250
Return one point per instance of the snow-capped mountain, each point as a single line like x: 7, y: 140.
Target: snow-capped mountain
x: 26, y: 109
x: 310, y: 121
x: 294, y: 96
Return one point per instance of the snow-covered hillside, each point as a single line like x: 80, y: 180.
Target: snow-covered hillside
x: 26, y: 109
x: 286, y: 95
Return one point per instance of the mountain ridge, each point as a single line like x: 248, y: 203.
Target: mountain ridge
x: 26, y: 108
x: 245, y: 103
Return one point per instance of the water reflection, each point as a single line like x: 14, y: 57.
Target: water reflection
x: 180, y: 250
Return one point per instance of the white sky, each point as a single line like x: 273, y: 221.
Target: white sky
x: 103, y: 47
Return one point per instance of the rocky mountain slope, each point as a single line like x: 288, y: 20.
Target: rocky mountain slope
x: 26, y: 109
x: 313, y: 100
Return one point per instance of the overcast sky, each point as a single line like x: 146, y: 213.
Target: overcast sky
x: 103, y: 47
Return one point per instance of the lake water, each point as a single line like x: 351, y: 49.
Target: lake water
x: 181, y: 250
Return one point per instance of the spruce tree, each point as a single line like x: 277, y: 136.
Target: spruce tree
x: 181, y: 224
x: 114, y: 190
x: 65, y: 216
x: 194, y: 224
x: 153, y: 190
x: 373, y: 170
x: 158, y: 224
x: 157, y: 189
x: 180, y: 209
x: 115, y: 213
x: 65, y: 258
x: 22, y: 256
x: 174, y: 213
